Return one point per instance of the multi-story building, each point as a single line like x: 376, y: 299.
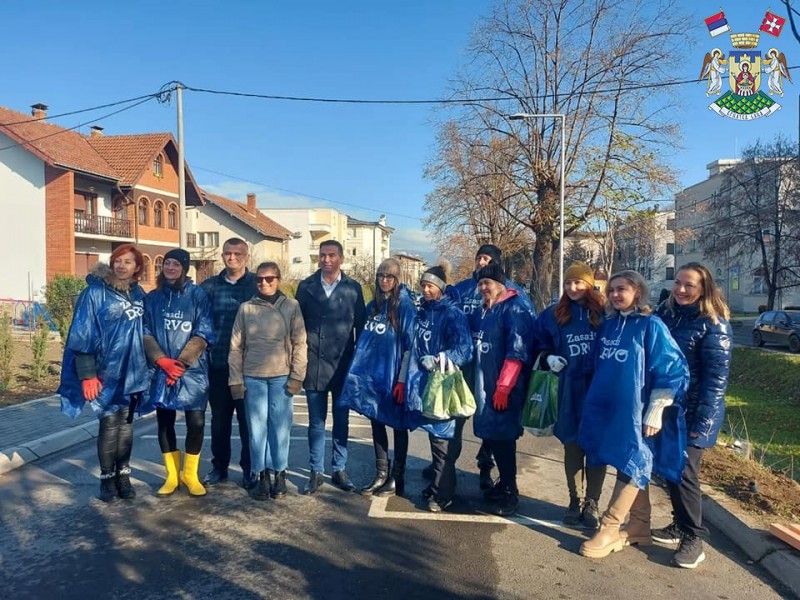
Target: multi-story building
x: 368, y: 241
x: 645, y: 244
x: 220, y: 219
x: 412, y: 267
x: 70, y: 199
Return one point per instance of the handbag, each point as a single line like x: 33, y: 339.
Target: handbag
x: 446, y: 394
x: 540, y: 412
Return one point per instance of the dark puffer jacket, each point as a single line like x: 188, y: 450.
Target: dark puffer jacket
x: 707, y: 348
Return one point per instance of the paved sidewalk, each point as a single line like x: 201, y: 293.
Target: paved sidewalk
x: 36, y: 429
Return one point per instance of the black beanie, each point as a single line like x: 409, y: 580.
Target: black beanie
x: 181, y: 255
x: 492, y: 271
x: 436, y: 276
x: 490, y: 250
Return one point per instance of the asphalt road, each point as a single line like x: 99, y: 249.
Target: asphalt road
x: 58, y: 541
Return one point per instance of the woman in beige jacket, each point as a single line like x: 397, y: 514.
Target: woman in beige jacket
x: 267, y: 363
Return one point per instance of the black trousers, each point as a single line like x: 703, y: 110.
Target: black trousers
x: 222, y: 408
x: 505, y: 454
x: 686, y: 497
x: 380, y: 439
x: 195, y: 426
x: 484, y: 456
x: 445, y: 453
x: 114, y: 441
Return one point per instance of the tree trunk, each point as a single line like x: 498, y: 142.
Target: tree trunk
x: 542, y: 269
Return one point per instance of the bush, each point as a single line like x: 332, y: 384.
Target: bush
x: 6, y: 352
x: 61, y: 293
x: 39, y: 350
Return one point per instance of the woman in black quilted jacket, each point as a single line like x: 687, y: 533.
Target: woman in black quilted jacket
x: 697, y: 316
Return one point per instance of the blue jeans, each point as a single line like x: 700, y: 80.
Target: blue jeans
x: 268, y: 407
x: 317, y: 413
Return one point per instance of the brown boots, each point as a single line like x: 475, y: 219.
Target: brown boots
x: 610, y: 538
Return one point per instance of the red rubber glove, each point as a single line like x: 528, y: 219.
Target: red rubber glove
x: 399, y: 392
x: 508, y: 378
x: 171, y: 381
x: 172, y: 367
x: 91, y: 388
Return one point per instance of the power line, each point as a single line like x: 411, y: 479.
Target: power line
x: 339, y: 202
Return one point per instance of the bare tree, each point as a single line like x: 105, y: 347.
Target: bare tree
x: 755, y: 219
x: 637, y: 241
x: 599, y: 62
x: 362, y: 268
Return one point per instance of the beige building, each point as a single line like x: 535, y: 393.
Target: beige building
x: 368, y: 241
x: 412, y: 267
x: 221, y: 219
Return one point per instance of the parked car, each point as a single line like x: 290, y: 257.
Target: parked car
x: 778, y: 327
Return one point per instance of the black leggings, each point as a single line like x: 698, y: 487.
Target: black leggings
x: 114, y: 441
x: 195, y: 427
x: 380, y: 439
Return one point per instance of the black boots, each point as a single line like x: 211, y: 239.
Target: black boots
x: 124, y: 487
x: 278, y: 489
x: 260, y: 491
x: 395, y: 484
x: 108, y: 486
x: 381, y: 474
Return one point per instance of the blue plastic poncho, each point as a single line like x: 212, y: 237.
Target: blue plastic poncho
x: 634, y: 355
x: 107, y: 324
x: 575, y: 342
x: 466, y: 295
x: 440, y: 327
x: 376, y: 365
x: 505, y: 332
x: 173, y: 317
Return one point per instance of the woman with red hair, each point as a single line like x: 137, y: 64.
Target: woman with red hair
x: 104, y: 363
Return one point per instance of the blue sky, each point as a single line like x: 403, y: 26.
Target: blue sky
x: 72, y: 55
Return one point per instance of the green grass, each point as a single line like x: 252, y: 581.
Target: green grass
x: 763, y: 405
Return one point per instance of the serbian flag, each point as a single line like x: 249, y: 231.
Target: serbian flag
x: 717, y: 25
x: 772, y: 24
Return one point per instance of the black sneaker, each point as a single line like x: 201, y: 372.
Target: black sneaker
x: 671, y: 534
x: 591, y: 514
x: 216, y: 476
x: 507, y: 504
x: 573, y: 514
x: 690, y: 552
x: 494, y: 493
x: 437, y: 506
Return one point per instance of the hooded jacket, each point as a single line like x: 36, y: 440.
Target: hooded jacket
x: 106, y: 324
x: 376, y: 365
x: 634, y: 355
x: 469, y: 299
x: 173, y: 317
x: 505, y: 332
x: 575, y: 342
x: 707, y: 348
x: 440, y: 327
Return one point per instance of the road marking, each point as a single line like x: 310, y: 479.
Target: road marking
x: 377, y: 510
x: 150, y: 436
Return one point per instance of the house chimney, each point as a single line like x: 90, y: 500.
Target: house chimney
x: 39, y: 110
x: 251, y: 204
x: 96, y: 131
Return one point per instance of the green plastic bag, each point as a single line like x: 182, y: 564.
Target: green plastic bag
x: 446, y: 395
x: 540, y: 412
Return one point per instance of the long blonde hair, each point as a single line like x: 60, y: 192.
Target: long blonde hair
x: 642, y: 303
x: 712, y: 301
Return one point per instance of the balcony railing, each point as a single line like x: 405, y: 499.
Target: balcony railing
x: 102, y: 225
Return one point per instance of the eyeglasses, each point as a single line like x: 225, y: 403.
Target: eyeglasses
x: 267, y: 278
x: 386, y: 276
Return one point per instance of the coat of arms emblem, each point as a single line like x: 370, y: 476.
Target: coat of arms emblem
x: 745, y: 66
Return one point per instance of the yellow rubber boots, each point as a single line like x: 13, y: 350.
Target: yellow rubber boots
x: 608, y: 538
x: 172, y: 462
x: 189, y: 475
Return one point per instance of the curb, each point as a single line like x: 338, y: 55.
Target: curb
x: 19, y: 456
x: 761, y: 548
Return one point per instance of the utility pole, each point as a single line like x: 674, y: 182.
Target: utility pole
x: 182, y: 237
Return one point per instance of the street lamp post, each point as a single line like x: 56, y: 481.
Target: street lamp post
x: 561, y: 116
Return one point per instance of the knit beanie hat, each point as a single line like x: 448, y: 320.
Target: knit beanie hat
x: 492, y: 271
x: 181, y: 255
x: 490, y: 250
x: 390, y: 266
x: 435, y: 275
x: 582, y: 271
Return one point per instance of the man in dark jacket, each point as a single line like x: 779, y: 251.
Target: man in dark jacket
x: 227, y: 291
x: 333, y: 310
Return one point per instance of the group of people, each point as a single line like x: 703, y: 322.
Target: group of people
x: 641, y: 391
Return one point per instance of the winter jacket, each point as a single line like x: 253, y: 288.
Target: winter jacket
x: 333, y: 325
x: 106, y: 324
x: 268, y: 340
x: 634, y: 355
x: 469, y: 299
x: 440, y: 327
x: 173, y: 317
x: 225, y: 300
x: 376, y: 365
x: 707, y: 348
x: 505, y: 333
x: 574, y: 341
